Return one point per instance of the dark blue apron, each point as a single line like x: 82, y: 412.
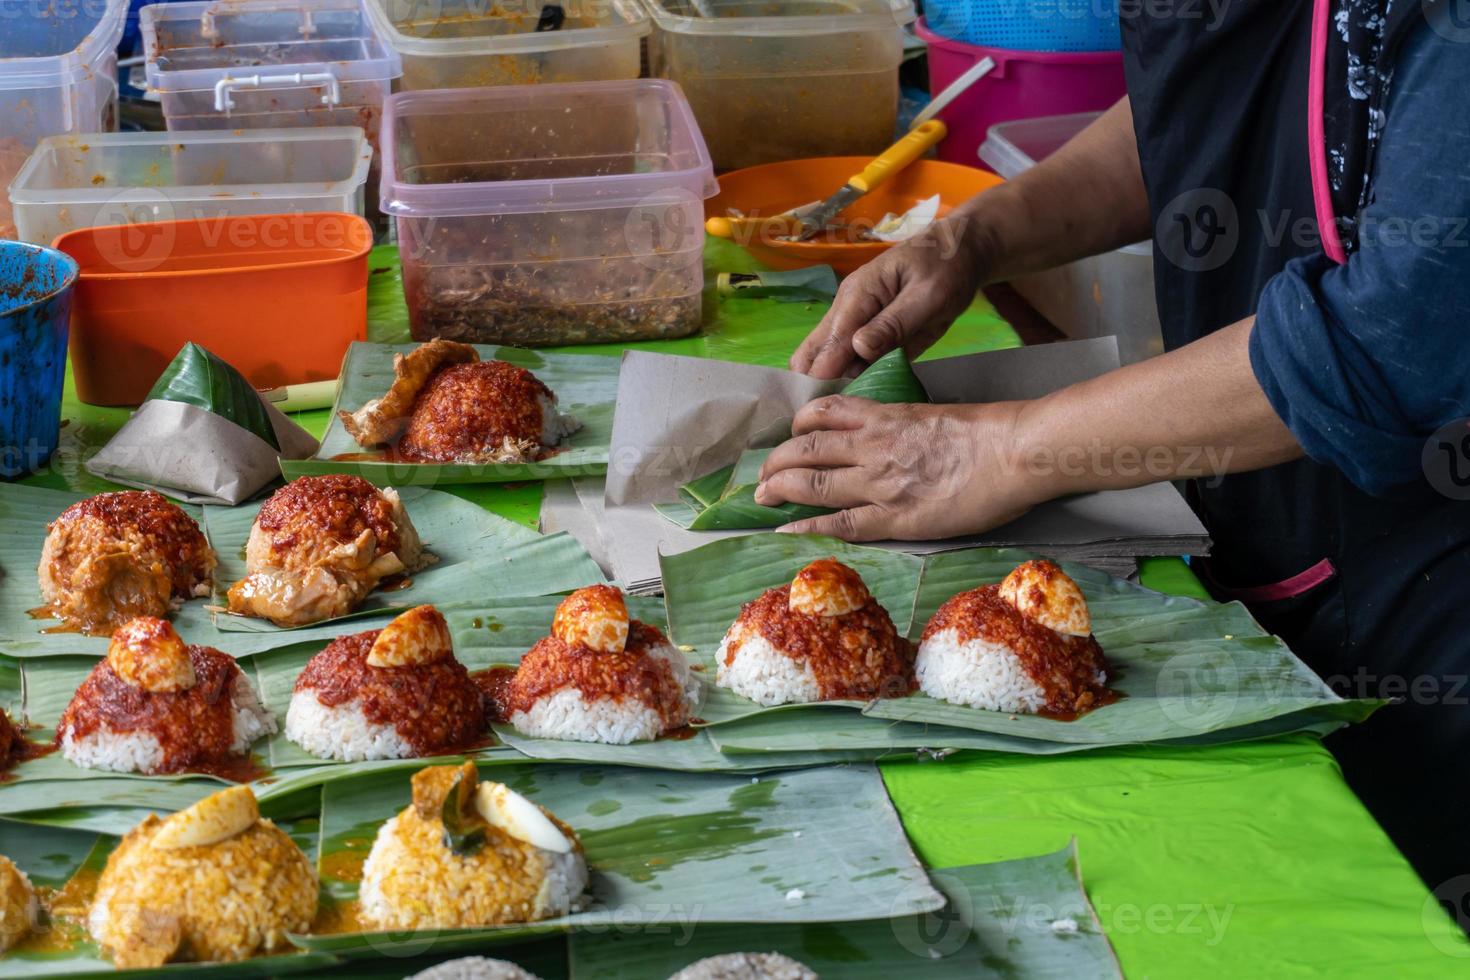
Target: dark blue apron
x: 1367, y: 590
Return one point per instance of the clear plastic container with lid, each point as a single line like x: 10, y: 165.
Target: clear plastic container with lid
x: 474, y: 43
x: 73, y: 182
x: 58, y: 74
x: 783, y: 79
x: 252, y: 64
x: 1107, y: 294
x: 552, y: 214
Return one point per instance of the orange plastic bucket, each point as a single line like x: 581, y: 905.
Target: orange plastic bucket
x: 279, y: 296
x: 776, y: 187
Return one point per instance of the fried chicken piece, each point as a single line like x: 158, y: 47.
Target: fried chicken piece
x: 484, y: 412
x: 382, y: 420
x: 319, y: 545
x: 119, y: 555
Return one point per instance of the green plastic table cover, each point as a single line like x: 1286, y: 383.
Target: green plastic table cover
x: 1231, y: 861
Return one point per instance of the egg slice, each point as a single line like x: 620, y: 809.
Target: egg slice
x: 148, y: 653
x: 417, y: 637
x: 827, y: 587
x: 213, y: 819
x: 595, y: 617
x: 509, y: 811
x: 1046, y: 595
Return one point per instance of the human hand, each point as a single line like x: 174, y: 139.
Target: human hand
x: 909, y: 472
x: 907, y: 297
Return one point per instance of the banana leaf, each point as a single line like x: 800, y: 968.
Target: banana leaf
x: 60, y: 948
x: 197, y: 377
x: 725, y: 499
x: 1186, y: 668
x: 696, y: 752
x: 815, y: 846
x: 480, y: 555
x: 586, y: 388
x: 1026, y: 918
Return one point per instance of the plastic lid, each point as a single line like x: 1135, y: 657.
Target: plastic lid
x: 784, y: 18
x: 1011, y: 147
x: 38, y: 51
x: 429, y: 28
x: 541, y: 149
x: 29, y: 187
x: 192, y: 46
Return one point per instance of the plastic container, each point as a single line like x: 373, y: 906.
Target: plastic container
x: 278, y: 296
x: 1112, y: 293
x: 58, y: 74
x: 1027, y: 25
x: 772, y: 81
x: 35, y: 305
x: 255, y: 64
x: 475, y: 43
x: 1023, y: 85
x: 73, y: 182
x: 552, y: 214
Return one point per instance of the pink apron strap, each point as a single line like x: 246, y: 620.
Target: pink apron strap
x: 1288, y: 588
x: 1317, y: 136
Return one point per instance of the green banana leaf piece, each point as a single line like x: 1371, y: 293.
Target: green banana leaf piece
x: 481, y: 556
x: 725, y: 499
x: 821, y: 845
x: 586, y: 388
x: 197, y: 377
x: 1024, y: 918
x: 1185, y: 668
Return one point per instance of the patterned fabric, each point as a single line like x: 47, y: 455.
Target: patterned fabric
x: 1357, y: 87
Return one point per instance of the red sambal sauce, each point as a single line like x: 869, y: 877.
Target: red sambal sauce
x: 1065, y: 667
x: 433, y: 707
x: 194, y: 727
x: 15, y: 748
x: 552, y: 665
x: 856, y: 655
x: 468, y: 409
x: 338, y: 504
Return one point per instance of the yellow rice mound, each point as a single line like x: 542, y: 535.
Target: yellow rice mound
x: 17, y: 904
x: 411, y: 880
x: 221, y: 901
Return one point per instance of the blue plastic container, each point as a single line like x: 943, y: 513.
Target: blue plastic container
x: 1060, y: 26
x: 35, y: 309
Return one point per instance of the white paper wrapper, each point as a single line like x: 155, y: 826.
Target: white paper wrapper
x: 186, y: 452
x: 679, y: 418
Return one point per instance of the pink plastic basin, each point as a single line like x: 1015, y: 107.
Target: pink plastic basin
x: 1022, y: 85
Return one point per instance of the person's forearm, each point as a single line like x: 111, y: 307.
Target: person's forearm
x: 1195, y: 412
x: 1086, y: 198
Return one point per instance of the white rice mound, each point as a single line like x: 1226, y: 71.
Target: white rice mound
x: 977, y: 673
x: 763, y: 674
x: 341, y: 732
x: 439, y: 880
x: 554, y: 425
x: 566, y: 714
x: 746, y: 966
x: 114, y: 751
x: 474, y: 968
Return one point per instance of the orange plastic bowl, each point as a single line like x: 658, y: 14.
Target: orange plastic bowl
x: 775, y: 187
x: 279, y: 296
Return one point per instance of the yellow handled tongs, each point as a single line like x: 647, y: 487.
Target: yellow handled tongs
x: 807, y: 221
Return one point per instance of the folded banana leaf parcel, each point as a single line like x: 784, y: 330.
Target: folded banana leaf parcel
x: 203, y: 435
x: 1169, y: 668
x: 724, y: 500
